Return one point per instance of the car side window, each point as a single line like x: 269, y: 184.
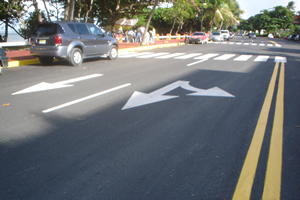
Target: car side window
x: 72, y: 27
x: 94, y: 30
x: 82, y: 29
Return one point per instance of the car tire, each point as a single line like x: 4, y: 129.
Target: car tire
x: 113, y: 52
x: 46, y: 60
x: 76, y: 57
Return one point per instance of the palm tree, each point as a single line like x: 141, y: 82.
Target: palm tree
x: 219, y: 12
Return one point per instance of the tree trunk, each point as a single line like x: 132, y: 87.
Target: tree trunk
x: 47, y: 11
x: 87, y: 12
x: 148, y: 22
x: 172, y: 27
x: 79, y: 11
x: 6, y: 30
x: 71, y: 11
x: 39, y: 17
x: 67, y: 10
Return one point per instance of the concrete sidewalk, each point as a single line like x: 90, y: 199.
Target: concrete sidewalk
x: 23, y: 57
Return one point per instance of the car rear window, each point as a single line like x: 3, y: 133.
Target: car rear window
x: 48, y: 29
x: 216, y: 33
x: 224, y: 31
x: 198, y: 34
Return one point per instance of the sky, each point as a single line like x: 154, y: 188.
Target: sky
x: 253, y: 7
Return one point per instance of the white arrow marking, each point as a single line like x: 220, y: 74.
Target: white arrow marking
x: 140, y: 99
x: 86, y: 98
x: 49, y: 86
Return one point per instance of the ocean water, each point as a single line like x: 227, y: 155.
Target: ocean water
x: 13, y: 37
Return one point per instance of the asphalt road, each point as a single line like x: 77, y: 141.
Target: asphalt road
x: 211, y: 121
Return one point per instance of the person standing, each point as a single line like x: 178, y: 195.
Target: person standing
x: 153, y: 34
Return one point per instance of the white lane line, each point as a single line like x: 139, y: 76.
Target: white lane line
x: 270, y: 45
x: 261, y: 44
x: 206, y: 56
x: 243, y: 58
x: 277, y: 45
x: 217, y: 42
x: 170, y: 55
x: 188, y: 56
x: 238, y: 43
x: 261, y: 59
x: 196, y: 62
x: 152, y: 55
x: 224, y: 57
x: 254, y: 44
x: 231, y: 43
x: 133, y: 54
x: 246, y: 43
x: 224, y: 42
x: 280, y: 59
x: 86, y: 98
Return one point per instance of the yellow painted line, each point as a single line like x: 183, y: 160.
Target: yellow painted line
x: 272, y: 186
x: 274, y: 42
x: 245, y: 182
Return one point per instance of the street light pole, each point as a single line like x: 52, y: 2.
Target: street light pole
x: 201, y: 17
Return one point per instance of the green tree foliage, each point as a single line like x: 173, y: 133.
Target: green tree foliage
x: 222, y: 13
x: 10, y: 13
x: 273, y: 21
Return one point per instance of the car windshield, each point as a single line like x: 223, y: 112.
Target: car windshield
x: 252, y: 33
x: 215, y: 33
x: 47, y: 29
x: 224, y: 31
x: 198, y: 34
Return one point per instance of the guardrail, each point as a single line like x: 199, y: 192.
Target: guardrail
x: 27, y: 43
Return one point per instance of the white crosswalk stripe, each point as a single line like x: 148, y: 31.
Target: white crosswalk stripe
x: 152, y: 55
x: 224, y: 57
x: 261, y: 58
x: 200, y: 56
x: 188, y: 56
x: 280, y: 59
x: 170, y: 55
x: 243, y: 58
x: 133, y: 54
x: 206, y: 56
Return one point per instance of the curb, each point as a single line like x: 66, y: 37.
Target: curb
x: 12, y: 64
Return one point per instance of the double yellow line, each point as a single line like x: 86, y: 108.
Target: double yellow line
x: 272, y: 184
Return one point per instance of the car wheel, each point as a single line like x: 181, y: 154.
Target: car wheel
x: 46, y: 60
x: 227, y: 39
x: 75, y: 57
x: 113, y: 52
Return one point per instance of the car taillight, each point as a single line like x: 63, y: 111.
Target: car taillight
x: 58, y: 40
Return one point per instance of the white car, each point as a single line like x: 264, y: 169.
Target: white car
x: 225, y: 34
x: 270, y: 35
x: 216, y: 36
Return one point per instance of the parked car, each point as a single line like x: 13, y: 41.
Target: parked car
x: 199, y: 37
x: 252, y: 35
x: 270, y: 35
x: 231, y: 35
x: 285, y: 37
x: 225, y: 34
x: 73, y: 41
x: 3, y: 59
x: 216, y: 36
x: 297, y: 38
x: 291, y: 37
